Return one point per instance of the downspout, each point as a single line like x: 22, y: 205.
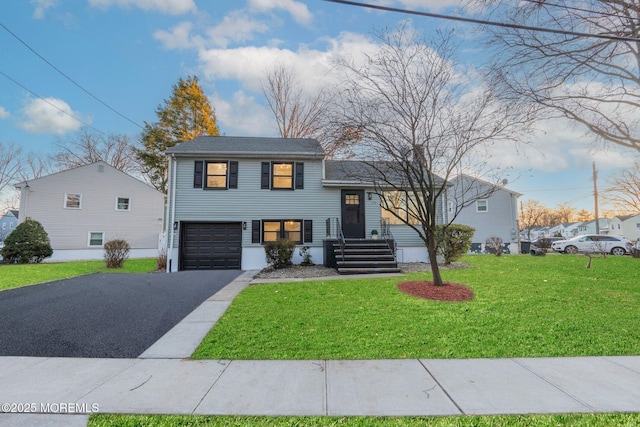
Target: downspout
x: 172, y: 215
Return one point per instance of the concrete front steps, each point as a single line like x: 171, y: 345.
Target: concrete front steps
x: 362, y: 256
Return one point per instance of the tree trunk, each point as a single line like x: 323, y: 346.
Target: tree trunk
x: 433, y: 260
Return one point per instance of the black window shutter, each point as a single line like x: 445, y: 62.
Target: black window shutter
x: 233, y: 174
x: 299, y: 176
x: 198, y: 170
x: 255, y: 231
x: 265, y: 175
x: 308, y: 231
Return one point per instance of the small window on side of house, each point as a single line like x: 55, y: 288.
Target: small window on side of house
x: 96, y: 239
x: 482, y: 205
x: 72, y: 201
x: 123, y: 204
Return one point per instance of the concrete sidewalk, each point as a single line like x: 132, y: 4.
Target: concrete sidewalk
x: 163, y: 381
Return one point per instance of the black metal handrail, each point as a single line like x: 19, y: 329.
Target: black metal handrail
x: 336, y: 232
x: 388, y: 237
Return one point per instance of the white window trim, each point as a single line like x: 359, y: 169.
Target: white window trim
x: 89, y: 239
x: 64, y: 202
x: 486, y: 201
x: 128, y: 206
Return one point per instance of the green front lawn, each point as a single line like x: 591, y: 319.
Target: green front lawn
x: 17, y: 275
x: 524, y: 306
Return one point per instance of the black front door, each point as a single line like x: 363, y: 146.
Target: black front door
x: 353, y: 214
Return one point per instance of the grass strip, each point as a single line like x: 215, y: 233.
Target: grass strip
x: 17, y: 275
x: 567, y: 420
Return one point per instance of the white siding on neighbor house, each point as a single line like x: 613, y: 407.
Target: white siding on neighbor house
x: 100, y: 185
x: 629, y: 228
x: 499, y: 220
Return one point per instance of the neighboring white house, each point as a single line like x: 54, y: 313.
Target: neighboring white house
x: 590, y: 227
x: 491, y: 209
x: 228, y: 196
x: 84, y: 207
x: 626, y: 225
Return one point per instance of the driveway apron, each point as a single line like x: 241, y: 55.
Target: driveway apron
x: 101, y: 315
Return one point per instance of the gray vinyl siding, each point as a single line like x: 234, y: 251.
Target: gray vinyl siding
x: 69, y: 228
x: 500, y: 220
x: 249, y: 202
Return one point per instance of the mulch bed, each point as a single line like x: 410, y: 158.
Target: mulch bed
x: 452, y: 292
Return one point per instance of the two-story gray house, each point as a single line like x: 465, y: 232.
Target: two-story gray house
x: 228, y: 196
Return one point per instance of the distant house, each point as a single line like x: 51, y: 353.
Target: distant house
x: 590, y: 227
x: 8, y: 222
x: 230, y: 196
x: 492, y: 215
x: 84, y: 207
x: 626, y: 225
x: 565, y: 230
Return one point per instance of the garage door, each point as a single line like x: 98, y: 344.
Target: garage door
x: 211, y: 246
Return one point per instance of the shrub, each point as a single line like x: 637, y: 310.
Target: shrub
x: 28, y: 243
x: 453, y: 241
x: 494, y: 245
x: 116, y: 252
x: 306, y: 255
x: 279, y: 253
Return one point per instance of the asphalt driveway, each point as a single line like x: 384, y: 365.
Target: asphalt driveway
x: 101, y: 315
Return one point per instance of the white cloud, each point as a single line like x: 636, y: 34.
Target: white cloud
x: 170, y: 7
x: 242, y: 115
x: 298, y: 11
x: 49, y: 115
x: 41, y: 7
x: 4, y: 114
x: 313, y: 68
x: 179, y: 37
x: 235, y: 27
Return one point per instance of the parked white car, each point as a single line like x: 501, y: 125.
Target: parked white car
x: 594, y: 243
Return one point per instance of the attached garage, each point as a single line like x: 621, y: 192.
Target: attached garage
x: 211, y: 246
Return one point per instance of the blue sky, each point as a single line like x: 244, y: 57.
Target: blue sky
x: 129, y: 53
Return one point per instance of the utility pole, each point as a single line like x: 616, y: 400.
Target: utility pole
x: 595, y: 196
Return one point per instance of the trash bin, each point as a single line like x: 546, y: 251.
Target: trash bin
x: 635, y: 252
x: 525, y: 247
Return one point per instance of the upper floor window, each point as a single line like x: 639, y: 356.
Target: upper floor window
x: 123, y: 204
x: 215, y: 174
x: 72, y: 201
x: 282, y: 175
x: 482, y: 205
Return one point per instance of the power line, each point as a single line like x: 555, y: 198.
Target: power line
x: 485, y: 22
x: 67, y: 77
x: 49, y: 102
x: 579, y: 9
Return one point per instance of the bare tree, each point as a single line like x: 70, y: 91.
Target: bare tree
x: 623, y: 190
x: 422, y: 123
x: 10, y: 164
x: 86, y: 147
x: 594, y: 82
x: 533, y: 214
x: 302, y: 115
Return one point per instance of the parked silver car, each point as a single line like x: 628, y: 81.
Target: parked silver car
x: 594, y: 243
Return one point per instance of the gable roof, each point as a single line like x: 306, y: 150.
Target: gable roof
x: 98, y: 165
x: 357, y: 172
x: 239, y: 146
